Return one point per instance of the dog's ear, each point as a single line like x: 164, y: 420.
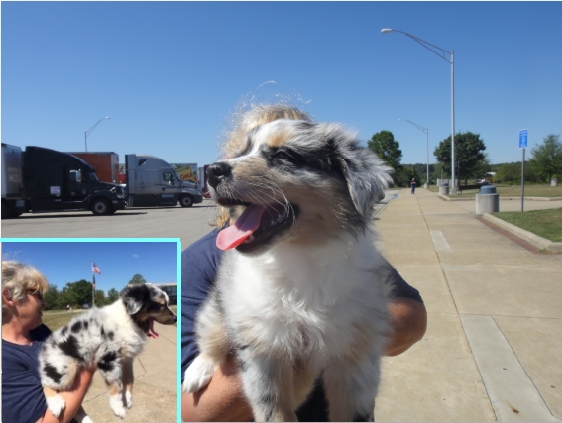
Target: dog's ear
x: 366, y: 175
x: 133, y: 297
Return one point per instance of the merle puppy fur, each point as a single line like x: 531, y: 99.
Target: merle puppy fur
x: 108, y: 338
x: 301, y: 291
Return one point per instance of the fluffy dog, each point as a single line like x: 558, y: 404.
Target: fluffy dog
x: 109, y: 338
x: 301, y: 291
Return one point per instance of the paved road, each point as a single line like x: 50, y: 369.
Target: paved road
x: 187, y: 224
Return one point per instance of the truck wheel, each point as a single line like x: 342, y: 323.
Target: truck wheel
x: 6, y: 210
x: 186, y: 201
x: 9, y: 210
x: 101, y: 206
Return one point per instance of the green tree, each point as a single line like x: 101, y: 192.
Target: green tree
x: 137, y: 279
x: 387, y: 148
x: 509, y: 173
x: 76, y: 293
x: 437, y: 172
x: 52, y: 298
x: 469, y: 153
x: 532, y: 173
x: 481, y: 169
x: 112, y: 296
x: 547, y: 157
x: 100, y: 298
x: 406, y: 175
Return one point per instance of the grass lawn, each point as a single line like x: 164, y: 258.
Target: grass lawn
x: 544, y: 223
x: 513, y: 191
x: 54, y: 319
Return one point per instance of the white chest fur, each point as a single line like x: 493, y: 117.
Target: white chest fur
x: 306, y: 303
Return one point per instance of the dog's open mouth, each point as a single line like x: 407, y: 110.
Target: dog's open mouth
x: 148, y: 327
x: 256, y: 225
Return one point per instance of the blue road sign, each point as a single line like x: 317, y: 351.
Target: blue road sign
x: 523, y: 138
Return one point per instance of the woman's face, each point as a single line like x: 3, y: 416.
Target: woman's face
x: 31, y: 310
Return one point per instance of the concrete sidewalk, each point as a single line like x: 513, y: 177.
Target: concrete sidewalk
x: 154, y: 390
x: 492, y: 347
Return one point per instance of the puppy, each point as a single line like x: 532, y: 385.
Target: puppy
x: 108, y: 338
x: 301, y: 290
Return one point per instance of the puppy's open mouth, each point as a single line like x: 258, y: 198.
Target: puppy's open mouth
x: 148, y: 327
x: 257, y: 225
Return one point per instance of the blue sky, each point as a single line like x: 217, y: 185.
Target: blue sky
x: 71, y: 261
x: 170, y: 74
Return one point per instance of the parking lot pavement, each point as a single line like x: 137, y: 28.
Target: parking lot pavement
x: 187, y: 224
x: 154, y: 390
x: 491, y: 350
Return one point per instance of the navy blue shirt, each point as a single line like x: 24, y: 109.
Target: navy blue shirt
x: 23, y: 400
x: 199, y: 264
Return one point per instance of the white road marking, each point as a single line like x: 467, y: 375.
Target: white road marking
x: 439, y: 242
x: 512, y: 393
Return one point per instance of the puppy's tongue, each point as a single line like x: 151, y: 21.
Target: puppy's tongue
x: 246, y: 224
x: 150, y: 332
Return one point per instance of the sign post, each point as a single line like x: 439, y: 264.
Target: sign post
x: 523, y: 141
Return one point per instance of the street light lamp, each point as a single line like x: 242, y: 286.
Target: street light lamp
x: 426, y: 131
x: 441, y: 53
x: 89, y: 131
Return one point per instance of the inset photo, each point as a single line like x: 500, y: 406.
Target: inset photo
x: 89, y: 330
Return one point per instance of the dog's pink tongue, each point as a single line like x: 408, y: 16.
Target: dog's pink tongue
x: 151, y: 332
x: 241, y: 230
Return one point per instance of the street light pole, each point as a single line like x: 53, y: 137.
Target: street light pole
x: 89, y: 131
x: 441, y: 53
x: 426, y: 131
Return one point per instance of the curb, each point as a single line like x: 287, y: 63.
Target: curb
x: 533, y: 198
x: 537, y: 241
x: 444, y: 197
x: 379, y: 211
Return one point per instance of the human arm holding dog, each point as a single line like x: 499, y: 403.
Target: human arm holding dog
x: 23, y: 333
x: 222, y: 399
x: 73, y: 399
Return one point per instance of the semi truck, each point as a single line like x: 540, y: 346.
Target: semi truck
x: 148, y: 181
x: 40, y: 180
x: 202, y: 180
x: 106, y: 164
x: 151, y: 181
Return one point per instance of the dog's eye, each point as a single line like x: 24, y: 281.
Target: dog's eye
x: 281, y: 155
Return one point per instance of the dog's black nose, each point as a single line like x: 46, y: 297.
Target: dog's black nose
x: 217, y: 171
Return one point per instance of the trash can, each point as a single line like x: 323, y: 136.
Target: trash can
x: 487, y: 200
x: 444, y: 189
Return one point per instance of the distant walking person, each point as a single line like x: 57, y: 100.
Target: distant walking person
x: 413, y: 185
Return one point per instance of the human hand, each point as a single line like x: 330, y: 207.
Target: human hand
x: 221, y: 400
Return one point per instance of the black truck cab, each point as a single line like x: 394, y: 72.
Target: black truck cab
x: 58, y: 181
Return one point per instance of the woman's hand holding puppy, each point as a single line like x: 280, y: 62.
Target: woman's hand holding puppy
x: 223, y: 400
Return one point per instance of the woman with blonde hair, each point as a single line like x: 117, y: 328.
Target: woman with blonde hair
x: 222, y: 399
x: 23, y: 333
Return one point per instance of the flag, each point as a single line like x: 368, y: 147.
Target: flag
x: 95, y: 269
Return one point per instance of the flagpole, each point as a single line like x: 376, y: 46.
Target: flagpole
x: 93, y: 290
